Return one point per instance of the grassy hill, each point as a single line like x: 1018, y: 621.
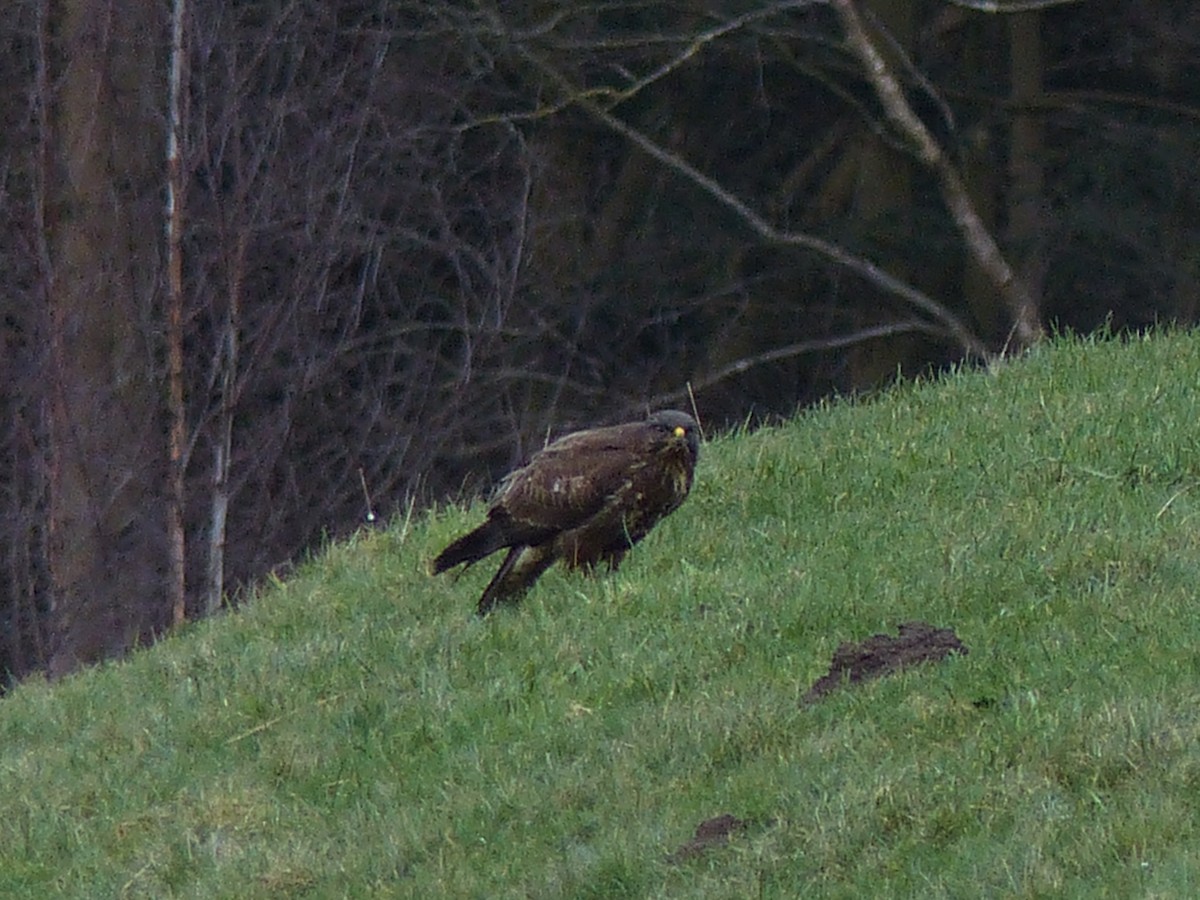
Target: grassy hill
x: 356, y: 732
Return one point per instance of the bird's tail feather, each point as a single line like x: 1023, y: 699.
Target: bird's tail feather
x: 471, y: 547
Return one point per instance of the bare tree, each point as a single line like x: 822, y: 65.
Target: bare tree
x: 1024, y: 309
x: 630, y: 76
x: 351, y: 291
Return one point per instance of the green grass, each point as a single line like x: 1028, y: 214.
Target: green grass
x: 356, y: 732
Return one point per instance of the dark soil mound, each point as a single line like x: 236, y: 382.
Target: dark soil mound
x: 881, y: 654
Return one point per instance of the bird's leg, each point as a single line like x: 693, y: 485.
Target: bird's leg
x: 491, y: 594
x: 520, y: 569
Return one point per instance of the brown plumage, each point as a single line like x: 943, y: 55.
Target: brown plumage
x: 586, y: 499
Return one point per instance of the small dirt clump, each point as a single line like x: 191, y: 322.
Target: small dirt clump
x: 710, y: 833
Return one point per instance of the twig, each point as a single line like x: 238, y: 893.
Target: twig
x: 695, y: 410
x: 261, y: 726
x: 370, y: 517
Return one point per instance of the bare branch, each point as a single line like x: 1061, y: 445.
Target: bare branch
x: 953, y: 325
x: 1011, y: 6
x: 702, y: 40
x: 738, y: 366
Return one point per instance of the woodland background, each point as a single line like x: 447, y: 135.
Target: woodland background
x: 267, y: 264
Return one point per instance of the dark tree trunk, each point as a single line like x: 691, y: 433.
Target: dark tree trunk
x: 107, y: 548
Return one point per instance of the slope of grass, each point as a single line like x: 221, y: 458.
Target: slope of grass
x: 355, y: 731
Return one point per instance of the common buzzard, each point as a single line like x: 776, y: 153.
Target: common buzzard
x: 586, y: 499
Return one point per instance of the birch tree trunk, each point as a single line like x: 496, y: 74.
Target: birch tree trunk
x: 176, y: 411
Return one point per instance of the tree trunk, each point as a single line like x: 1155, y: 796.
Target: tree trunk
x: 107, y: 548
x: 1026, y: 153
x: 883, y: 201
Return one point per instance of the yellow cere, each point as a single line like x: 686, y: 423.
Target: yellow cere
x: 680, y: 431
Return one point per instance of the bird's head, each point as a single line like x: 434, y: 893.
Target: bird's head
x: 676, y: 425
